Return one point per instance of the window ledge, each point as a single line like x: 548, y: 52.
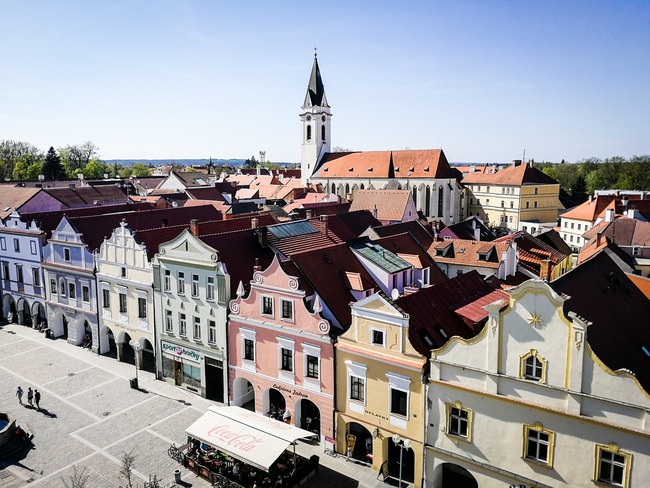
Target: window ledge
x: 537, y: 462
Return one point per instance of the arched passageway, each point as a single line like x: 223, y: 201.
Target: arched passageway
x: 359, y: 442
x: 450, y: 475
x: 308, y: 414
x: 243, y: 394
x: 274, y: 403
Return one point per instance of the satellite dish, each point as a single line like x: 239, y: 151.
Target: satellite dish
x: 394, y: 294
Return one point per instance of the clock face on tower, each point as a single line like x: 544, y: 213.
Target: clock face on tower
x: 308, y: 118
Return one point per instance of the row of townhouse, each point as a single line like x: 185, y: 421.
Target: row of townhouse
x: 364, y: 342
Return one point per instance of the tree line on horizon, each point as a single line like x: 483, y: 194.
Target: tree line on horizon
x: 22, y: 161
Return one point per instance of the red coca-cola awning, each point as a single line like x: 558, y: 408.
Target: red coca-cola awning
x: 248, y: 436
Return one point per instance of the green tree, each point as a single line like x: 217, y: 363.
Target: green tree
x: 635, y: 174
x: 95, y: 169
x: 28, y: 167
x: 52, y: 167
x: 140, y: 169
x: 78, y: 156
x: 10, y: 152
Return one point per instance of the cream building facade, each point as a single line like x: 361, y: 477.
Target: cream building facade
x: 380, y: 392
x: 125, y: 297
x: 528, y: 403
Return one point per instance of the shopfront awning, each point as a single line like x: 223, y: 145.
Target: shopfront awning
x: 248, y: 436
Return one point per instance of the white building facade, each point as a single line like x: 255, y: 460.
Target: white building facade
x: 527, y: 403
x: 191, y: 295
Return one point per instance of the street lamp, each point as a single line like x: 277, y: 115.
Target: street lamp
x: 402, y: 444
x: 136, y: 347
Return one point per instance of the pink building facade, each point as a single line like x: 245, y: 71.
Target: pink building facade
x: 280, y: 353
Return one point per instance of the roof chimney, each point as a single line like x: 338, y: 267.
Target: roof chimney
x: 324, y: 219
x: 545, y: 270
x: 309, y: 214
x: 194, y: 227
x: 609, y: 214
x: 254, y: 222
x: 257, y: 266
x: 261, y: 235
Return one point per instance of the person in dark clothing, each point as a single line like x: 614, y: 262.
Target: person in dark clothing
x: 37, y: 398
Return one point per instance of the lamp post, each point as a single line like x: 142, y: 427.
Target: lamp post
x: 402, y: 444
x: 136, y: 347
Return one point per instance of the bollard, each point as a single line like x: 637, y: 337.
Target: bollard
x: 177, y: 475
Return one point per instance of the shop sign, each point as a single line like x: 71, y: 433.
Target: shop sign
x: 290, y: 391
x: 178, y: 350
x: 374, y: 414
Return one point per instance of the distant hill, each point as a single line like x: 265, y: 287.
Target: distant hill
x: 182, y: 162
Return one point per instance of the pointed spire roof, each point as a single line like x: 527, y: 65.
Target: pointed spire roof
x: 315, y: 96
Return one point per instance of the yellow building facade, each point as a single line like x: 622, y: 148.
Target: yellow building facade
x: 380, y: 406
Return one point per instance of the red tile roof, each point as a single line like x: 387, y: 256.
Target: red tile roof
x: 523, y: 174
x: 427, y: 163
x: 590, y: 211
x: 386, y: 205
x: 88, y: 195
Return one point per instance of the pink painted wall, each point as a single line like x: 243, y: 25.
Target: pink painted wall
x: 306, y: 328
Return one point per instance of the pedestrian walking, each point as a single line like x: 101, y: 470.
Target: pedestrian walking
x: 19, y: 394
x: 30, y: 396
x: 37, y: 399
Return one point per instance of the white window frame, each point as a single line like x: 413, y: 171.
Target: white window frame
x: 212, y: 331
x: 167, y: 280
x: 32, y: 247
x: 182, y: 324
x: 311, y: 350
x: 290, y: 345
x: 36, y: 277
x: 196, y: 328
x: 293, y: 310
x: 359, y: 371
x: 169, y: 321
x: 67, y: 255
x: 209, y: 289
x: 248, y: 334
x: 269, y: 297
x: 3, y: 244
x: 196, y: 288
x: 400, y: 383
x: 372, y: 337
x: 180, y: 283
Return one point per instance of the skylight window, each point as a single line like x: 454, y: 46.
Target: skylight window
x: 461, y: 250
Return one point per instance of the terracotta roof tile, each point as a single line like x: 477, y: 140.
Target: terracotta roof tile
x: 12, y: 198
x: 427, y: 163
x: 389, y: 205
x: 590, y: 211
x: 522, y: 174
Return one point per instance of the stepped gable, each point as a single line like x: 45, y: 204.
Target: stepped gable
x: 522, y: 174
x: 334, y: 272
x: 600, y: 291
x: 241, y: 252
x: 423, y: 163
x: 450, y: 308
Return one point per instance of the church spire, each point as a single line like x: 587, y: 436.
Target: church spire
x: 315, y: 96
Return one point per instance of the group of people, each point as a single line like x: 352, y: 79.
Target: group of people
x: 283, y: 415
x: 33, y: 396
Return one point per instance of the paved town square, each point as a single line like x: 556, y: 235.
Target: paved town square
x: 90, y: 417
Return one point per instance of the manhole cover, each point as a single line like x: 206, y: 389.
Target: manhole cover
x: 106, y: 414
x: 71, y: 374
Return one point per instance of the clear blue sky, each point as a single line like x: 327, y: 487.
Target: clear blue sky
x: 189, y: 79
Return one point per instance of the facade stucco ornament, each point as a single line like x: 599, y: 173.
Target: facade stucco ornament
x: 323, y: 326
x: 234, y: 307
x: 578, y: 340
x: 494, y: 327
x: 257, y: 278
x: 293, y: 283
x: 535, y: 320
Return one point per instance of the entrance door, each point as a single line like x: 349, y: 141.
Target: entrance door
x: 214, y: 380
x: 178, y: 373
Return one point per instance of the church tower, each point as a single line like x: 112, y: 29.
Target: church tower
x: 315, y: 121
